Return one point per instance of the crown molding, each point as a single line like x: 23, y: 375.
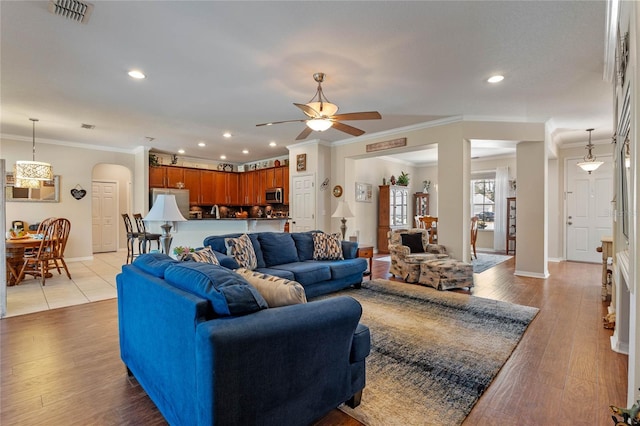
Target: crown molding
x: 69, y: 144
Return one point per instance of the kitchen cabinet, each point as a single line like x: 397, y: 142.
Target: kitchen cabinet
x: 192, y: 183
x: 234, y: 193
x: 285, y: 184
x: 207, y: 187
x: 165, y: 176
x: 157, y: 176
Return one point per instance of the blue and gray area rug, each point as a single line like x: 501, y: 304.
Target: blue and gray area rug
x: 433, y: 353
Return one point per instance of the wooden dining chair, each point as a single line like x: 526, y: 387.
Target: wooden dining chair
x: 430, y: 223
x: 474, y: 234
x: 38, y: 264
x: 62, y: 228
x: 144, y: 237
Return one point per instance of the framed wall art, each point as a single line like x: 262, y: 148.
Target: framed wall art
x: 301, y: 162
x: 364, y: 192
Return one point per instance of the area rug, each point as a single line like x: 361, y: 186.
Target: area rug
x: 433, y: 353
x: 486, y: 261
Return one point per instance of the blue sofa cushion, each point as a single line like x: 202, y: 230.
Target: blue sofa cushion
x: 278, y: 248
x: 228, y: 292
x: 277, y: 273
x: 304, y: 245
x: 326, y: 246
x: 154, y: 263
x: 307, y: 272
x: 344, y: 268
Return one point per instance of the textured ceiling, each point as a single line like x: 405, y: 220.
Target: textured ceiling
x: 225, y: 66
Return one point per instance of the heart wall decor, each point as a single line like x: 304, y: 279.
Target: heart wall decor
x: 78, y: 193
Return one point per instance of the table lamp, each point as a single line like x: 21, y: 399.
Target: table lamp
x: 343, y: 211
x: 165, y: 210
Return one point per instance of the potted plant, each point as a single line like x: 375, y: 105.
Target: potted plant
x: 403, y: 179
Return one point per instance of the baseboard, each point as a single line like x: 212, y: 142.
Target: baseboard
x: 556, y: 259
x: 532, y: 274
x: 617, y: 346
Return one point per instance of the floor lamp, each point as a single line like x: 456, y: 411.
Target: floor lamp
x: 343, y: 211
x: 165, y: 210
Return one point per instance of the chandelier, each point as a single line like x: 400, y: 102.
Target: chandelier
x: 590, y: 164
x: 30, y: 174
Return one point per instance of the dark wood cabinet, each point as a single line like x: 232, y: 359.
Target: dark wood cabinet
x: 421, y: 204
x: 192, y: 179
x: 165, y: 176
x: 511, y: 225
x: 157, y: 176
x: 392, y: 212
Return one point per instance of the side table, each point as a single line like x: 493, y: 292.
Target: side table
x: 367, y: 253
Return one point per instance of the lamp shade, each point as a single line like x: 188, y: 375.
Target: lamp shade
x: 33, y: 170
x: 319, y: 124
x: 165, y: 209
x: 590, y: 165
x: 342, y: 210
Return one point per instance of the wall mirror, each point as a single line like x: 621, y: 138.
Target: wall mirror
x: 49, y: 191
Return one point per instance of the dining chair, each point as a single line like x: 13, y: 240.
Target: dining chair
x: 38, y: 264
x: 474, y: 234
x: 430, y: 223
x: 62, y: 228
x: 144, y: 237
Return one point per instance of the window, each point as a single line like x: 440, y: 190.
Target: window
x: 483, y: 206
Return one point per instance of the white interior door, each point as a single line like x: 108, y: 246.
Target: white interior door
x: 303, y: 199
x: 104, y: 211
x: 589, y: 216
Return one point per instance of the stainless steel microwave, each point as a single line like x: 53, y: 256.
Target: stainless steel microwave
x: 273, y: 196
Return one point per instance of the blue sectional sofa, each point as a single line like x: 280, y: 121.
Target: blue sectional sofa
x: 204, y: 346
x: 290, y: 256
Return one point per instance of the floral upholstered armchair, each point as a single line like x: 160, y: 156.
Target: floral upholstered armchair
x: 408, y: 249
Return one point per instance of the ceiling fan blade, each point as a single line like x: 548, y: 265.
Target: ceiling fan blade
x: 279, y: 122
x: 369, y: 115
x: 310, y: 112
x: 303, y: 135
x: 347, y: 129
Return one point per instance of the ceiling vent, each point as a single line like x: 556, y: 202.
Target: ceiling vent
x: 75, y: 10
x: 88, y: 126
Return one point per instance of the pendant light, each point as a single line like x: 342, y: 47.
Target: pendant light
x: 590, y: 164
x: 30, y: 174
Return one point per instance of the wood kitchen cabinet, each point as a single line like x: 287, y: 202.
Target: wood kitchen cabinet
x: 234, y: 192
x: 165, y: 176
x: 192, y: 179
x: 207, y: 187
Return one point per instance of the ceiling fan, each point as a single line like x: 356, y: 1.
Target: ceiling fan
x: 322, y: 114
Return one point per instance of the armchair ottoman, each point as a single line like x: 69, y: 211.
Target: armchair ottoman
x: 409, y: 249
x: 445, y: 274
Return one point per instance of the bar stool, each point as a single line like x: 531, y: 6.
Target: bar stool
x: 131, y: 236
x: 144, y: 237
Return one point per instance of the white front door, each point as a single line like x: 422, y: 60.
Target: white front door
x: 303, y: 202
x: 589, y: 216
x: 104, y: 212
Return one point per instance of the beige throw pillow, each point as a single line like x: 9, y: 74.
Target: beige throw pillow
x: 275, y: 290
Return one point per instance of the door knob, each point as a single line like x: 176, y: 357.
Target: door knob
x: 569, y: 223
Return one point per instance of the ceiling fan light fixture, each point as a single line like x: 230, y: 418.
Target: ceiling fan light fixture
x: 325, y: 109
x: 319, y: 124
x: 590, y: 163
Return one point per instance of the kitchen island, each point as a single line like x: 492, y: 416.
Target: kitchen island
x: 192, y: 232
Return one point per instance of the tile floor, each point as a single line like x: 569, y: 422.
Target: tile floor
x: 90, y: 281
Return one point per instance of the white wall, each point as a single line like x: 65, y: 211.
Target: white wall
x: 75, y: 166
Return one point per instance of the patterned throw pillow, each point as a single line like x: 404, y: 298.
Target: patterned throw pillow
x: 275, y: 290
x: 242, y: 251
x: 327, y: 246
x: 204, y: 255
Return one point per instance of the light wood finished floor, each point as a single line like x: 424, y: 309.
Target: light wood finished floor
x: 62, y: 366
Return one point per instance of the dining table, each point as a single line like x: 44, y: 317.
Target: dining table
x: 15, y: 249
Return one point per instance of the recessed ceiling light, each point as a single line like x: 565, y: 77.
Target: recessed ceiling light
x: 136, y: 74
x: 272, y: 144
x: 223, y: 157
x: 245, y: 151
x: 226, y: 134
x: 202, y: 144
x: 181, y: 151
x: 495, y: 79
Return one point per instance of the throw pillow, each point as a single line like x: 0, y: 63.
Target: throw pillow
x: 204, y: 255
x: 275, y: 290
x: 327, y: 246
x: 413, y: 241
x: 228, y: 292
x: 242, y: 251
